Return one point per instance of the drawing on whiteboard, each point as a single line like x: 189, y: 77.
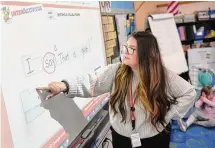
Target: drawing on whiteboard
x: 51, y: 60
x: 31, y: 105
x: 68, y: 14
x: 52, y: 15
x: 6, y: 14
x: 31, y: 65
x: 29, y: 68
x: 48, y: 64
x: 63, y: 57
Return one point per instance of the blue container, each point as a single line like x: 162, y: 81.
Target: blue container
x: 212, y: 12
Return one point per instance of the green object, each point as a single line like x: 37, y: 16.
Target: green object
x: 204, y: 79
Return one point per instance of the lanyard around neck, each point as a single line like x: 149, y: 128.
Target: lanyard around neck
x: 132, y: 108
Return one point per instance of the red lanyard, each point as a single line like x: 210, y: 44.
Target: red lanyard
x: 132, y: 102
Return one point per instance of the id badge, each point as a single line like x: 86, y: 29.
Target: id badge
x: 135, y: 140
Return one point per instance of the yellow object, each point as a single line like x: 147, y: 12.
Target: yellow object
x: 109, y: 52
x: 110, y: 44
x: 112, y: 35
x: 210, y: 34
x: 127, y: 23
x: 107, y: 20
x: 110, y: 27
x: 109, y: 60
x: 131, y: 18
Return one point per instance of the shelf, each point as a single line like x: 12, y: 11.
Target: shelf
x: 195, y: 23
x: 204, y: 40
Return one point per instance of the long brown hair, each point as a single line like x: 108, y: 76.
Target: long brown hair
x: 151, y: 89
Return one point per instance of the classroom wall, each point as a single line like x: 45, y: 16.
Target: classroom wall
x: 122, y: 7
x: 151, y: 7
x: 143, y: 12
x: 119, y: 7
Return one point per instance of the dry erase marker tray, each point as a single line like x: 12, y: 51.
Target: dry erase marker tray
x: 88, y: 136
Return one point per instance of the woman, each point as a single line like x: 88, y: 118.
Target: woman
x: 145, y: 96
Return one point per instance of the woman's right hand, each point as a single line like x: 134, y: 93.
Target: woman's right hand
x: 56, y: 88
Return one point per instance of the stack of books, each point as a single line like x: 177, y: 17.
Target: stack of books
x: 179, y: 18
x: 189, y: 18
x: 203, y: 15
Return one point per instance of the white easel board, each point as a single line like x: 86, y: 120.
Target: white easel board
x: 164, y: 29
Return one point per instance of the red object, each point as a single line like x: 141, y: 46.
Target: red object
x: 173, y: 7
x: 56, y: 140
x: 132, y: 102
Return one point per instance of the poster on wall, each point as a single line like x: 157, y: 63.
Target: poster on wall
x: 202, y: 57
x: 105, y: 6
x: 201, y: 60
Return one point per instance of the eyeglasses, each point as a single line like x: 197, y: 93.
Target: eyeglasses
x: 128, y: 49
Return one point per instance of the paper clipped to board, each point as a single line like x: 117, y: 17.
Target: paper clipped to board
x: 164, y: 28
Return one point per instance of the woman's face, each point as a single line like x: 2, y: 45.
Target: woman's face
x: 130, y: 53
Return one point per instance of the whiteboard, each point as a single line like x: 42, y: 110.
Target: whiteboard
x: 164, y: 29
x: 43, y: 42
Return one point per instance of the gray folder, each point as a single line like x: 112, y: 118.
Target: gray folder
x: 65, y: 112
